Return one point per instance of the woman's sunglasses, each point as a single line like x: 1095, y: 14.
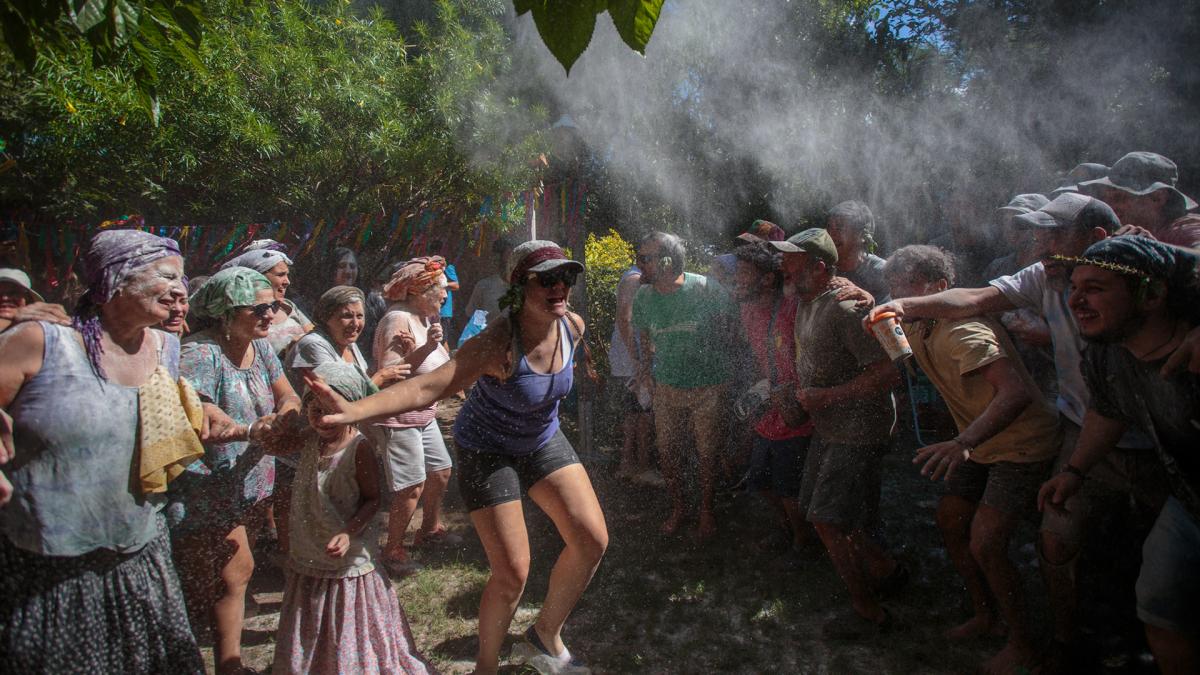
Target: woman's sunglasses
x: 563, y: 275
x: 265, y: 309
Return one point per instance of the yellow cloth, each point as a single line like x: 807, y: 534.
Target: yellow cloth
x: 169, y: 420
x: 951, y: 352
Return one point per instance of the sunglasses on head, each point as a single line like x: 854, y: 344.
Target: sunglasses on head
x: 563, y: 275
x: 265, y: 309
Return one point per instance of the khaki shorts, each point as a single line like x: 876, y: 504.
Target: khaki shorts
x: 697, y: 417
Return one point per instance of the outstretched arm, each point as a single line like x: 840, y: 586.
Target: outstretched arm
x: 955, y: 303
x: 483, y: 355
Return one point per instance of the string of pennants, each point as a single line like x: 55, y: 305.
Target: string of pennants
x: 52, y: 251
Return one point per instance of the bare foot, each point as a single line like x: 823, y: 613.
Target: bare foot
x: 977, y: 626
x: 1014, y: 658
x: 671, y: 525
x: 708, y: 526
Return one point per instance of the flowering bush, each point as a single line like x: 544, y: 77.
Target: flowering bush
x: 606, y: 258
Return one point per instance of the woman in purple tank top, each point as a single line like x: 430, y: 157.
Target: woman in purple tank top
x: 508, y: 439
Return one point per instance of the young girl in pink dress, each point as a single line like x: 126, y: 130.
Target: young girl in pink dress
x: 339, y: 614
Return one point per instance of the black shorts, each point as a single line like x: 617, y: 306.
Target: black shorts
x: 490, y: 478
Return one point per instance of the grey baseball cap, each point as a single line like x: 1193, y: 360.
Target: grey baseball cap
x: 1024, y: 203
x: 21, y: 279
x: 1082, y: 172
x: 1071, y: 209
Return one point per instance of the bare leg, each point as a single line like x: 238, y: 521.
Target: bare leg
x: 645, y: 440
x: 667, y: 421
x: 801, y: 531
x: 991, y: 530
x: 431, y: 505
x: 954, y: 516
x: 849, y: 567
x: 229, y: 611
x: 567, y: 497
x: 1175, y: 653
x: 629, y: 442
x: 1058, y: 562
x: 400, y: 514
x: 501, y: 529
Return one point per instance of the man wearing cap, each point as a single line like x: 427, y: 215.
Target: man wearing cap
x: 1031, y: 335
x: 1066, y: 226
x: 1082, y: 172
x: 1140, y: 188
x: 844, y: 380
x: 15, y: 293
x: 1134, y: 300
x: 683, y: 330
x: 851, y: 225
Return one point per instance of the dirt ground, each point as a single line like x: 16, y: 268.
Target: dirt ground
x: 668, y: 605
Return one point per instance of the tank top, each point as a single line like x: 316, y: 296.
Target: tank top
x: 76, y: 438
x: 325, y: 495
x: 517, y: 415
x: 414, y: 418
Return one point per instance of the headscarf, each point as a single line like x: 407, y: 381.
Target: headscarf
x: 111, y: 258
x: 414, y: 276
x: 259, y: 260
x: 332, y: 299
x: 1147, y: 259
x: 229, y: 288
x: 1141, y: 257
x: 345, y: 380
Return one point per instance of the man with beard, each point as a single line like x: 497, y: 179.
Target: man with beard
x: 1064, y: 227
x: 851, y: 225
x: 1140, y: 188
x: 1135, y: 299
x: 682, y: 319
x: 844, y: 381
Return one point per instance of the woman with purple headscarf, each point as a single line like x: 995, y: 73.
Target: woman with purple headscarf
x: 100, y: 421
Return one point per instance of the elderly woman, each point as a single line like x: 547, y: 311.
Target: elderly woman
x: 176, y: 322
x: 414, y: 454
x: 509, y: 441
x: 15, y: 293
x: 216, y: 506
x: 268, y: 259
x: 339, y: 318
x: 88, y: 584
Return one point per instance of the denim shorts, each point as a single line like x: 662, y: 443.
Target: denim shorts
x: 1168, y: 587
x: 492, y: 478
x: 777, y: 465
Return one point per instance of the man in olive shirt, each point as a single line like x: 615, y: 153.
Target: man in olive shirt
x: 845, y: 380
x: 683, y: 320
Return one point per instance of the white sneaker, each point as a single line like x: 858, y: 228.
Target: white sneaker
x: 529, y: 652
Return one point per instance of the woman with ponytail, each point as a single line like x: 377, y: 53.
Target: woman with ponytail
x: 509, y: 441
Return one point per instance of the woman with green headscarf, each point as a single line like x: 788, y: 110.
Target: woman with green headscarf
x: 217, y: 504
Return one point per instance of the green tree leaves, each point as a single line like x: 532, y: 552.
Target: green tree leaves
x: 566, y: 26
x: 143, y: 32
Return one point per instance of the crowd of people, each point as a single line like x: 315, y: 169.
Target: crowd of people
x: 155, y: 433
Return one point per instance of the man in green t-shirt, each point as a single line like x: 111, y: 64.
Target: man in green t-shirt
x: 683, y: 320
